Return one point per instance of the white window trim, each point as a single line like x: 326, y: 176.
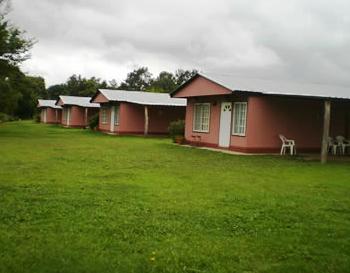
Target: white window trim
x: 194, y: 119
x: 64, y: 114
x: 104, y: 110
x: 233, y: 118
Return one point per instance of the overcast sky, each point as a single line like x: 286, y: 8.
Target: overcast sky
x: 299, y: 40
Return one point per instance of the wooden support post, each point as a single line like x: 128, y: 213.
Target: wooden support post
x: 347, y: 123
x: 86, y: 117
x: 326, y: 126
x: 146, y: 121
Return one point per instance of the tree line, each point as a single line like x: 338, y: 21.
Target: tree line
x: 139, y: 79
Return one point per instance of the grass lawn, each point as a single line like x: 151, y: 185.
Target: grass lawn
x: 75, y: 201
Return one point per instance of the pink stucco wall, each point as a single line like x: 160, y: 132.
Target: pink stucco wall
x: 52, y: 115
x: 131, y: 118
x: 104, y: 126
x: 100, y: 98
x: 298, y: 119
x: 202, y: 87
x: 210, y: 138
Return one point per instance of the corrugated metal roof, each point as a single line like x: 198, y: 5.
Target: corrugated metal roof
x: 48, y: 103
x: 144, y: 98
x: 236, y: 83
x: 79, y: 101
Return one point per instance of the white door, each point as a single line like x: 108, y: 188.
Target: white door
x: 225, y: 124
x: 112, y: 118
x: 68, y: 116
x: 45, y: 115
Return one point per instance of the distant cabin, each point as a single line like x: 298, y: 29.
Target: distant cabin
x: 49, y: 111
x: 137, y: 112
x: 76, y: 111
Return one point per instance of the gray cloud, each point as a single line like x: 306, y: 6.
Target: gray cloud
x: 293, y: 40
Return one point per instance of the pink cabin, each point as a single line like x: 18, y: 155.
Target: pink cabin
x: 247, y: 115
x: 76, y: 111
x: 136, y: 112
x: 49, y: 112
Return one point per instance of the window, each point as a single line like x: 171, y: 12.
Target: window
x: 103, y: 115
x: 116, y: 115
x: 201, y: 117
x: 65, y: 113
x: 239, y: 118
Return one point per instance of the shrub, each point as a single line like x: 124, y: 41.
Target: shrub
x: 177, y: 129
x: 37, y: 118
x: 5, y: 117
x: 93, y: 122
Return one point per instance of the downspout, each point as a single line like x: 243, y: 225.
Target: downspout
x: 86, y: 116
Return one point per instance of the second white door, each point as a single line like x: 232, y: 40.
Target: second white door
x: 225, y: 124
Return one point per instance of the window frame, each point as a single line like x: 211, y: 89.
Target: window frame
x: 234, y: 118
x: 65, y: 116
x: 116, y: 115
x: 104, y: 114
x: 194, y: 117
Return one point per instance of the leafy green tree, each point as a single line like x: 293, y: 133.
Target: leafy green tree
x: 30, y: 89
x: 9, y: 96
x: 138, y: 80
x: 164, y: 83
x: 79, y: 86
x: 13, y: 50
x: 76, y: 85
x: 181, y: 76
x: 55, y: 90
x: 167, y: 82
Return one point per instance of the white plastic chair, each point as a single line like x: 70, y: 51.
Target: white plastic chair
x: 342, y: 144
x: 332, y: 146
x: 287, y: 144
